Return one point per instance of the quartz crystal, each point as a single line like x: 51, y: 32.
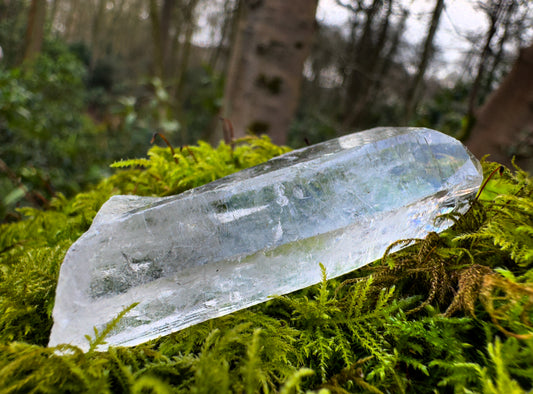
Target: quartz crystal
x: 257, y: 233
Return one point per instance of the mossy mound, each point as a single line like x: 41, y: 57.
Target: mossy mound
x: 450, y: 312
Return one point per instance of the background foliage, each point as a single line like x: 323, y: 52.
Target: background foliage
x: 59, y: 128
x: 450, y: 312
x: 103, y: 75
x: 44, y: 136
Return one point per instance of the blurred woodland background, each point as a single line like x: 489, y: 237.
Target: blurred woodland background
x: 86, y: 82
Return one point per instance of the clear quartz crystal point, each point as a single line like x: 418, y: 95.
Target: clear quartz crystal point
x: 257, y: 233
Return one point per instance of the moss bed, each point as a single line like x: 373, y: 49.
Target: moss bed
x: 450, y: 313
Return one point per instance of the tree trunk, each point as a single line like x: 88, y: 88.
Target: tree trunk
x: 96, y: 33
x: 389, y: 57
x: 190, y: 24
x: 494, y: 12
x: 35, y: 29
x: 227, y: 33
x: 70, y: 20
x: 176, y: 47
x: 164, y: 33
x: 494, y: 21
x: 265, y: 73
x: 156, y: 39
x: 359, y: 73
x: 506, y: 119
x: 427, y: 54
x: 53, y: 12
x: 371, y: 60
x: 498, y: 56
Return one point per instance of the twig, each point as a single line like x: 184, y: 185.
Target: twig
x: 190, y: 152
x: 498, y: 169
x: 166, y: 142
x: 229, y: 133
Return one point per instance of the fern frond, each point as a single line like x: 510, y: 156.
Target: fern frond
x: 152, y: 384
x: 131, y: 163
x: 99, y: 336
x: 122, y: 373
x: 253, y: 377
x: 292, y: 385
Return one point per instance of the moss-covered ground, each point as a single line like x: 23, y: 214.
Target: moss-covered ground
x: 450, y: 313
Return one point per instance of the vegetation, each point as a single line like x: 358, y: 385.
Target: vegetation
x: 452, y: 311
x: 45, y: 138
x: 87, y: 83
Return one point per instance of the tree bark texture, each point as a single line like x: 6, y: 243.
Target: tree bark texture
x: 506, y: 118
x: 263, y: 85
x: 35, y: 29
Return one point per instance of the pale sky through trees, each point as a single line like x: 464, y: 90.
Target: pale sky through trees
x: 460, y: 18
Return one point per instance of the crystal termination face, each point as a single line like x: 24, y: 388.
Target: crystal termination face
x: 257, y: 233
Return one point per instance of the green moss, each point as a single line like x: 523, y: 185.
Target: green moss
x: 450, y: 312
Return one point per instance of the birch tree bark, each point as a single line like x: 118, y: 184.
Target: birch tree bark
x: 265, y: 73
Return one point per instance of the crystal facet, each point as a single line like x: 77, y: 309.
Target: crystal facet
x: 257, y: 233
